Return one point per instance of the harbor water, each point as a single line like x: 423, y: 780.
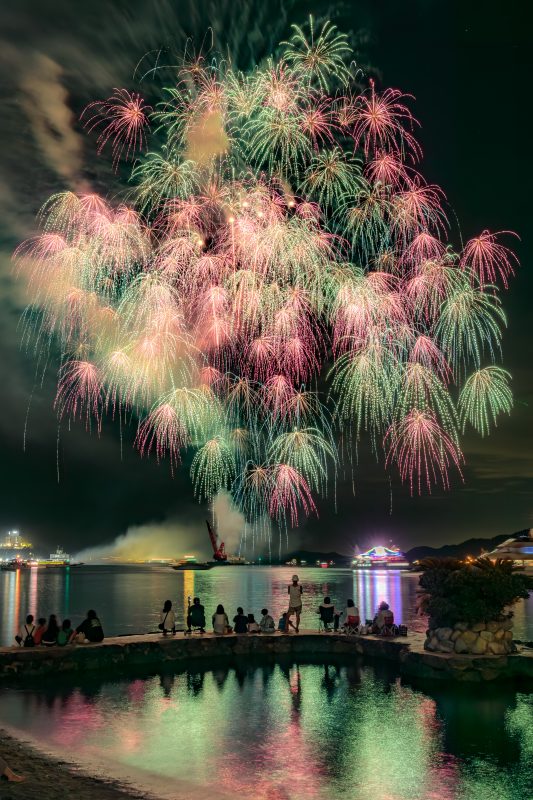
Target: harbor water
x: 285, y: 731
x: 128, y: 598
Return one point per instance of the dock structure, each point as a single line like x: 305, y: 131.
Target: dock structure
x: 153, y: 651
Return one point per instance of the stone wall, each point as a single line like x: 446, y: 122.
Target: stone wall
x: 152, y: 651
x: 483, y: 638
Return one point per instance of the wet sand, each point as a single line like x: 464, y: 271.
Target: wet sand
x: 50, y: 779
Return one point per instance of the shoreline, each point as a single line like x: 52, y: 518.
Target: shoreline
x: 50, y: 778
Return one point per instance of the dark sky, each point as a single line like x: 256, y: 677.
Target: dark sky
x: 468, y: 65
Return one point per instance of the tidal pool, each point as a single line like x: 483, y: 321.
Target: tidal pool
x: 288, y: 731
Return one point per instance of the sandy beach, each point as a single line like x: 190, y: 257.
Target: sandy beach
x: 50, y: 779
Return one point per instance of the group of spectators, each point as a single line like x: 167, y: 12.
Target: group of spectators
x: 242, y: 623
x: 51, y: 634
x: 246, y: 623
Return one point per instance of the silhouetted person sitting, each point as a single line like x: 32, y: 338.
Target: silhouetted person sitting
x: 90, y: 630
x: 196, y: 616
x: 39, y: 631
x: 352, y: 615
x: 253, y: 627
x: 52, y: 629
x: 220, y: 621
x: 328, y: 614
x: 240, y: 622
x: 26, y: 636
x: 65, y: 634
x: 384, y: 619
x: 266, y: 623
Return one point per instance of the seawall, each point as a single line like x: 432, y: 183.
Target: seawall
x: 153, y: 651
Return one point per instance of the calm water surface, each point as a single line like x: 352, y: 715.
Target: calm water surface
x: 128, y: 599
x: 287, y: 731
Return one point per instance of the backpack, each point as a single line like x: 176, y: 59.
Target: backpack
x: 29, y: 641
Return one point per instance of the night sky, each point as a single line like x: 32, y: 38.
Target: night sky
x: 468, y: 65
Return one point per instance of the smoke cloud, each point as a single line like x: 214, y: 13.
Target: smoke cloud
x: 45, y: 101
x: 229, y: 521
x: 153, y: 541
x: 172, y: 539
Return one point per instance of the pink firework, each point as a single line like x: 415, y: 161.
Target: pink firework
x: 318, y: 123
x: 384, y: 123
x: 418, y: 208
x: 290, y: 492
x: 124, y: 118
x: 488, y: 259
x: 277, y: 395
x: 426, y: 352
x: 422, y: 450
x: 80, y: 392
x: 424, y: 247
x: 163, y: 431
x: 387, y: 169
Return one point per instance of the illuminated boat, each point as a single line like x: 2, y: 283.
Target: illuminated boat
x: 58, y: 560
x: 519, y: 549
x: 15, y: 564
x: 389, y: 557
x: 190, y: 562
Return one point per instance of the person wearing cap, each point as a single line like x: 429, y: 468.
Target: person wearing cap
x: 295, y: 591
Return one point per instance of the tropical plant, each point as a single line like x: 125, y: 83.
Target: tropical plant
x: 477, y: 591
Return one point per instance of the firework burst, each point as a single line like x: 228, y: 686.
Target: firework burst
x: 274, y: 237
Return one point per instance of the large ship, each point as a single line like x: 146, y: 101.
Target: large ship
x: 58, y: 559
x: 518, y: 548
x: 381, y: 557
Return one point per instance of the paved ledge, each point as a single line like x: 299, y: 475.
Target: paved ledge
x: 154, y: 650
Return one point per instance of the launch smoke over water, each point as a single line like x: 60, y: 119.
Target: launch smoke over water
x: 172, y: 538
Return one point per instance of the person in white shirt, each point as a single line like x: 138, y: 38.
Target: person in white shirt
x: 220, y: 621
x: 295, y: 592
x: 253, y: 627
x: 266, y: 622
x: 167, y: 622
x: 352, y: 617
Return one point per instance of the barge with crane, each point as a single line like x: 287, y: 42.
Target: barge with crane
x: 220, y: 557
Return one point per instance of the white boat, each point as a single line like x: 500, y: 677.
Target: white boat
x: 518, y: 548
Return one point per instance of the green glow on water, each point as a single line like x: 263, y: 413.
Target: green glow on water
x: 289, y: 732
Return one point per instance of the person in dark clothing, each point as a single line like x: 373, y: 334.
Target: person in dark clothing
x: 90, y: 628
x: 196, y: 616
x: 50, y: 635
x: 240, y: 622
x: 25, y: 638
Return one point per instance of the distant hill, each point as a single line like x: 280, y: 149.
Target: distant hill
x: 472, y: 547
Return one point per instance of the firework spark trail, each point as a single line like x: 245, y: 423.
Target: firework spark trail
x: 276, y: 234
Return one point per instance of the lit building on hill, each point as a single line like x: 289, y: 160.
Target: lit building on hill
x: 14, y: 545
